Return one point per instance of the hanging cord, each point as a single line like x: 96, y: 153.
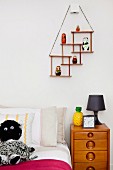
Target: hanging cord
x: 63, y: 23
x: 60, y: 29
x: 85, y: 18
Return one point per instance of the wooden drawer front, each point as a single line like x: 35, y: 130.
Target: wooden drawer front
x: 90, y: 135
x: 91, y: 156
x: 90, y: 166
x: 90, y: 144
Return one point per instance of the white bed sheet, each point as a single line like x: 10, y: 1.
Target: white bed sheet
x: 60, y: 152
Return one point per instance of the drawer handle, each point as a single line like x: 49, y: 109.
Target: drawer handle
x: 90, y: 168
x: 90, y: 156
x: 90, y: 144
x: 90, y: 135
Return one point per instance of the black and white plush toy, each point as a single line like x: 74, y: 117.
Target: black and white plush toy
x: 13, y: 151
x: 85, y: 46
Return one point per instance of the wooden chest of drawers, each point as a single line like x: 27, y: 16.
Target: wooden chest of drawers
x: 90, y: 148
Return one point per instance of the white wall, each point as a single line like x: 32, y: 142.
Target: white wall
x: 28, y: 29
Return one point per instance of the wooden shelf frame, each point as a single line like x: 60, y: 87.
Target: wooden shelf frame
x: 60, y: 76
x: 74, y: 32
x: 72, y: 64
x: 60, y: 56
x: 80, y: 52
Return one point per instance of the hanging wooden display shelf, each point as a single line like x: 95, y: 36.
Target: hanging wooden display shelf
x: 81, y: 46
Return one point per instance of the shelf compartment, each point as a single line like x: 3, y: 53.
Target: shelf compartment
x: 62, y: 57
x: 82, y: 32
x: 71, y: 44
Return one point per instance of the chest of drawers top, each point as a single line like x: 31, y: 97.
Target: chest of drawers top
x: 98, y: 128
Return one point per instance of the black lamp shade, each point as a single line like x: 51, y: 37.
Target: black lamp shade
x: 95, y: 103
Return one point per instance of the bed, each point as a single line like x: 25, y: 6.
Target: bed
x: 49, y: 158
x: 47, y: 136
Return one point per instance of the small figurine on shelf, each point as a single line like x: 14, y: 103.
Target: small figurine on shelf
x: 58, y: 71
x: 63, y: 39
x: 77, y: 28
x: 85, y: 45
x: 74, y: 60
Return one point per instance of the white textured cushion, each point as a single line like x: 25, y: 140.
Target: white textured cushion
x: 25, y: 117
x: 60, y: 124
x: 36, y: 128
x: 49, y: 126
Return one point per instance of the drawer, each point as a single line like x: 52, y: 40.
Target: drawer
x: 91, y: 156
x: 90, y: 166
x: 90, y: 144
x: 90, y: 135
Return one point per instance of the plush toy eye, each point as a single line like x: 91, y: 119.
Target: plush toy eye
x: 12, y: 127
x: 5, y: 129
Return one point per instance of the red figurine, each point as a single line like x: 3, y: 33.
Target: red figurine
x: 74, y: 60
x: 63, y: 38
x: 77, y: 28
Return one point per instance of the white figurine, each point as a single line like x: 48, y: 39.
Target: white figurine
x: 85, y: 46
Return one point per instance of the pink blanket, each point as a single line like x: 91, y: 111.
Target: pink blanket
x: 47, y: 164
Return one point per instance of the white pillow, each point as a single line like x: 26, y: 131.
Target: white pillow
x: 36, y: 128
x: 49, y: 126
x: 61, y: 112
x: 25, y: 117
x: 25, y: 120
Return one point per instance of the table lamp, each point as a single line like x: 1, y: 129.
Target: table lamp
x: 96, y: 103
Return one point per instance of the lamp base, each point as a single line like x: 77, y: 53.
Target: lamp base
x: 97, y: 122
